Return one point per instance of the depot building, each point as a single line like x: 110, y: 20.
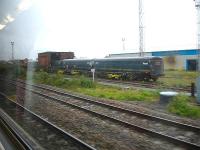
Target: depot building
x: 173, y: 59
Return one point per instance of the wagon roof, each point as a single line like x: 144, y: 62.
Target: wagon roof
x: 112, y: 59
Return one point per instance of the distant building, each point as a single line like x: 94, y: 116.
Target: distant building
x: 175, y: 59
x: 46, y: 59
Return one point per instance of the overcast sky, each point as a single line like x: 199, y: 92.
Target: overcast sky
x: 94, y: 28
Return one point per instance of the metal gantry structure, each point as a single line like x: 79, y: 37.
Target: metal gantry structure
x: 141, y: 28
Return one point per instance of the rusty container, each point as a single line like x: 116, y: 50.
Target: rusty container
x: 44, y: 59
x: 47, y: 59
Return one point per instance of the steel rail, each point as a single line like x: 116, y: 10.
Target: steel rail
x: 132, y: 112
x: 14, y: 135
x: 123, y: 123
x: 146, y: 85
x: 22, y: 136
x: 60, y: 131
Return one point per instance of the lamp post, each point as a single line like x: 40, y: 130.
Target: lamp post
x: 12, y: 44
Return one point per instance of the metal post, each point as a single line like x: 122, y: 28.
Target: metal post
x: 93, y: 76
x: 192, y: 89
x: 93, y: 71
x: 12, y: 44
x: 141, y: 29
x: 197, y: 5
x: 123, y: 42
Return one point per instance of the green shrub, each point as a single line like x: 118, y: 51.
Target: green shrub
x: 86, y: 83
x: 13, y: 70
x: 181, y: 105
x: 42, y: 77
x: 60, y: 72
x: 60, y: 82
x: 3, y: 69
x: 22, y: 73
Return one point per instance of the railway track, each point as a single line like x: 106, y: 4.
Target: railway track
x: 145, y: 85
x: 44, y: 132
x: 180, y: 134
x: 13, y: 136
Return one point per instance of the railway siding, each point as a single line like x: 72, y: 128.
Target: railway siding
x: 166, y: 130
x: 44, y: 132
x: 98, y: 132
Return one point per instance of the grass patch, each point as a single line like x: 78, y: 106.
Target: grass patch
x: 86, y: 86
x: 114, y: 93
x: 58, y: 80
x: 175, y: 78
x: 181, y: 73
x: 183, y: 106
x: 175, y: 82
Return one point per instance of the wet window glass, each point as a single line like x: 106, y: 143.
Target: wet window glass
x: 100, y: 74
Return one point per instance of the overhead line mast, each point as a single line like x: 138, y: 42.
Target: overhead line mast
x: 141, y: 28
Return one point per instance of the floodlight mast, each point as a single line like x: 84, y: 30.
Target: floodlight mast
x: 141, y: 28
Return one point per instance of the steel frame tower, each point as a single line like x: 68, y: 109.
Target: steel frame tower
x: 141, y: 28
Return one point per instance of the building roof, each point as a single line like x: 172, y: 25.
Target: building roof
x: 175, y: 52
x: 53, y: 52
x: 128, y: 53
x: 163, y: 53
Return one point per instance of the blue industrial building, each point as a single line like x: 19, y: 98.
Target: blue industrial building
x: 173, y: 59
x: 175, y: 52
